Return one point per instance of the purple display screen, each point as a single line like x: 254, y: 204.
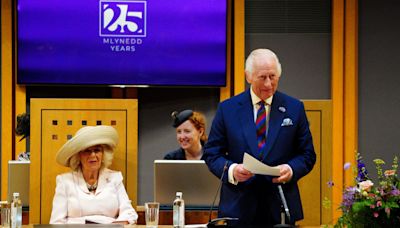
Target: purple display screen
x: 132, y: 42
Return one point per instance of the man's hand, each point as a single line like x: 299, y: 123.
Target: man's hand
x: 286, y: 174
x: 241, y: 174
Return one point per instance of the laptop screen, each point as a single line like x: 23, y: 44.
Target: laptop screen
x: 191, y: 177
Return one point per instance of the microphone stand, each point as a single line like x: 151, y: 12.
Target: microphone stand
x: 219, y: 221
x: 286, y: 209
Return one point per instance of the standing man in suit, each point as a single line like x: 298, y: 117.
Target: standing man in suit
x: 270, y: 126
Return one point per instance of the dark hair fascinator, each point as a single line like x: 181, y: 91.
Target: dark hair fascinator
x: 180, y: 117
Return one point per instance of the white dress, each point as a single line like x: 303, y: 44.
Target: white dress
x: 74, y: 203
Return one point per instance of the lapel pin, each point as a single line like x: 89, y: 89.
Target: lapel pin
x: 282, y: 109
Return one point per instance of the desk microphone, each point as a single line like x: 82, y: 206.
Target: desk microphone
x: 219, y: 221
x: 286, y: 208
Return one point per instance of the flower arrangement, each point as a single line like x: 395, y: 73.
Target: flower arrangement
x: 369, y: 204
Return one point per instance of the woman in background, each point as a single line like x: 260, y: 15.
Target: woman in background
x: 91, y: 193
x: 190, y: 134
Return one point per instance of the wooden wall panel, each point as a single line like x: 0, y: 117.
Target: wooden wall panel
x: 313, y: 187
x: 6, y: 93
x: 337, y: 100
x: 344, y: 95
x: 351, y: 87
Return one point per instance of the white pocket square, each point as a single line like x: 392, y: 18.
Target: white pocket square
x: 287, y: 122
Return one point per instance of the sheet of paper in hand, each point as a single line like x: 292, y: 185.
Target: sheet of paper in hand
x: 257, y: 167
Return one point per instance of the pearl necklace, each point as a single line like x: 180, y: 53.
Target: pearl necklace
x: 92, y: 187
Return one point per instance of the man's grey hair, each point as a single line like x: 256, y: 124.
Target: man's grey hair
x: 261, y: 53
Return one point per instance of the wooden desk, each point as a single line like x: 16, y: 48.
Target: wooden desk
x: 191, y: 216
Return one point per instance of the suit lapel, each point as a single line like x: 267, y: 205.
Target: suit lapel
x: 81, y: 181
x: 275, y: 121
x: 247, y: 121
x: 103, y: 180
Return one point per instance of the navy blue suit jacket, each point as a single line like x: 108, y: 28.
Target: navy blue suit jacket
x: 233, y: 133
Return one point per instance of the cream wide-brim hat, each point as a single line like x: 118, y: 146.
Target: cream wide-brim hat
x: 85, y: 138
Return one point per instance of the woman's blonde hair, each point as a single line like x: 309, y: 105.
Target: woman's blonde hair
x: 108, y: 155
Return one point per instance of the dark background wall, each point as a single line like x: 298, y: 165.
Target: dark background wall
x: 299, y: 32
x: 379, y: 81
x: 156, y: 135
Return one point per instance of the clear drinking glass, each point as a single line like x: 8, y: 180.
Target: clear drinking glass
x: 5, y: 213
x: 152, y: 210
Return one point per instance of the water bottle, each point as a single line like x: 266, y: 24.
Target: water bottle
x: 179, y: 211
x: 16, y: 211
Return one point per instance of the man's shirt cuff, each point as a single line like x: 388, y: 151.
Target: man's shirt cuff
x: 231, y: 178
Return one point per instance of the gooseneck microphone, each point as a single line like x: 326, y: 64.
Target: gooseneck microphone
x: 284, y: 202
x: 218, y: 190
x: 219, y: 221
x: 286, y: 208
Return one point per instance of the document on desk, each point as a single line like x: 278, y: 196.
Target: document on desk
x: 99, y: 219
x: 257, y: 167
x: 196, y: 226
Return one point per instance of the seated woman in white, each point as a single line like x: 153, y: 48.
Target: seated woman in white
x: 91, y: 193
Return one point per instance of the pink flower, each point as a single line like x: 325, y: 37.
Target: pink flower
x: 379, y: 204
x: 365, y: 185
x: 387, y: 210
x: 372, y: 206
x: 376, y: 214
x: 390, y: 172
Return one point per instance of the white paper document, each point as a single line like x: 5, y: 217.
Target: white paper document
x: 196, y: 226
x: 100, y: 219
x: 257, y: 167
